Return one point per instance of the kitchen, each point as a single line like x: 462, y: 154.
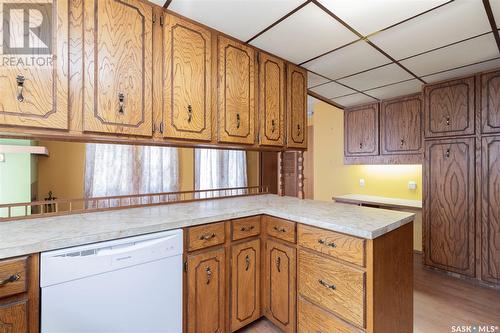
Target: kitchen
x: 251, y: 166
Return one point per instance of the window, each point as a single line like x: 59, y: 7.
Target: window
x: 215, y: 169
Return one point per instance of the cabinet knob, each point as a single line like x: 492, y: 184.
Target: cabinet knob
x: 247, y: 263
x: 20, y: 87
x: 121, y: 103
x: 402, y: 142
x: 448, y: 121
x: 361, y: 145
x: 238, y: 120
x: 278, y: 264
x: 10, y: 279
x: 447, y: 153
x: 190, y: 113
x: 208, y: 270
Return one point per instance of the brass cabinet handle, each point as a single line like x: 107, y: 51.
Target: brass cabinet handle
x: 361, y: 145
x: 447, y: 154
x: 324, y: 242
x: 20, y: 87
x: 10, y: 279
x: 247, y: 263
x: 279, y: 229
x: 278, y: 264
x: 208, y: 270
x: 273, y: 126
x: 402, y: 142
x: 121, y: 103
x: 238, y: 120
x: 448, y: 121
x: 249, y: 228
x: 207, y: 237
x: 326, y: 284
x: 190, y: 113
x: 298, y: 130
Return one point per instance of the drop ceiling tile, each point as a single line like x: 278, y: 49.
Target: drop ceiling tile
x: 314, y: 80
x: 348, y: 60
x: 466, y: 70
x: 241, y: 19
x: 468, y: 52
x: 453, y: 22
x: 368, y: 16
x: 495, y: 8
x: 391, y: 73
x: 354, y: 99
x: 304, y: 35
x: 398, y: 89
x: 332, y: 90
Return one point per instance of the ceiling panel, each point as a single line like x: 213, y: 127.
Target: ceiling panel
x: 368, y: 16
x: 398, y: 89
x: 348, y: 60
x: 447, y: 24
x: 241, y: 19
x: 495, y: 8
x: 354, y: 99
x: 468, y: 52
x: 314, y: 80
x: 377, y: 77
x: 467, y: 70
x: 332, y: 90
x: 304, y: 35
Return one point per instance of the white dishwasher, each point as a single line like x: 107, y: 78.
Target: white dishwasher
x: 131, y: 285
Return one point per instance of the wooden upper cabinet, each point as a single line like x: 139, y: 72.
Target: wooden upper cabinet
x: 296, y: 106
x: 401, y: 126
x: 490, y: 102
x: 361, y: 130
x: 449, y: 205
x: 36, y: 94
x: 187, y: 88
x: 271, y: 100
x: 449, y: 108
x: 236, y: 92
x: 118, y: 67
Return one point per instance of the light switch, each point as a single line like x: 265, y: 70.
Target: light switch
x: 2, y: 157
x: 362, y: 182
x: 412, y: 185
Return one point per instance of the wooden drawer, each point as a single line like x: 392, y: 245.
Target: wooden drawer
x: 245, y: 227
x: 337, y: 245
x: 314, y: 319
x: 13, y: 276
x: 334, y: 286
x: 280, y: 228
x: 205, y: 236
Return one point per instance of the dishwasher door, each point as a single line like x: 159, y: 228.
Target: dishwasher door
x: 131, y: 285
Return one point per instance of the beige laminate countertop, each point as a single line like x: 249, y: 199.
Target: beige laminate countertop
x: 377, y: 200
x: 37, y: 235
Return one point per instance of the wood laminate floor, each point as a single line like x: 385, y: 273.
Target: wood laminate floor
x: 440, y: 302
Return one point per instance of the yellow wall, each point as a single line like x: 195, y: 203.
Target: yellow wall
x: 332, y: 177
x: 253, y: 168
x: 186, y: 169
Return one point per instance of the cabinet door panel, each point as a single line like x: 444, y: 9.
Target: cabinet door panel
x: 14, y: 317
x: 450, y: 205
x: 297, y: 107
x: 34, y: 82
x: 401, y: 126
x: 118, y: 67
x: 236, y: 92
x: 187, y: 82
x: 491, y: 210
x: 272, y: 100
x: 449, y: 108
x: 206, y: 290
x: 490, y: 102
x: 245, y: 284
x: 361, y: 130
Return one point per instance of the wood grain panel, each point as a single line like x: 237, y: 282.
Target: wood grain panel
x: 361, y: 130
x: 449, y: 108
x: 490, y: 233
x: 206, y: 235
x: 271, y: 100
x: 187, y: 84
x: 236, y: 92
x: 15, y: 269
x: 280, y: 228
x: 449, y: 205
x: 245, y: 283
x: 245, y: 227
x: 14, y: 317
x: 490, y: 102
x: 46, y: 80
x: 296, y: 106
x: 118, y: 60
x: 401, y: 126
x: 206, y: 292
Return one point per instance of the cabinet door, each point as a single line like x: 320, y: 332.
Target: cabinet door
x: 34, y: 81
x: 449, y: 211
x: 236, y: 92
x: 491, y: 210
x: 271, y: 100
x: 118, y: 67
x: 490, y: 102
x: 205, y: 292
x: 297, y: 106
x: 187, y: 90
x: 280, y: 287
x: 361, y: 130
x: 245, y: 283
x: 401, y: 126
x: 449, y: 108
x: 14, y: 317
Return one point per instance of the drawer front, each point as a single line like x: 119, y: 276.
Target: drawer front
x: 280, y: 228
x: 337, y: 245
x: 246, y: 227
x: 13, y: 276
x: 205, y: 236
x: 336, y: 287
x: 314, y: 319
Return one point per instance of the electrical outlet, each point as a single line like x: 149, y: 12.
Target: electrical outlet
x: 412, y: 185
x: 361, y: 182
x: 2, y: 157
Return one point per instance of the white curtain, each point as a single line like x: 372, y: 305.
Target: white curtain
x: 112, y: 170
